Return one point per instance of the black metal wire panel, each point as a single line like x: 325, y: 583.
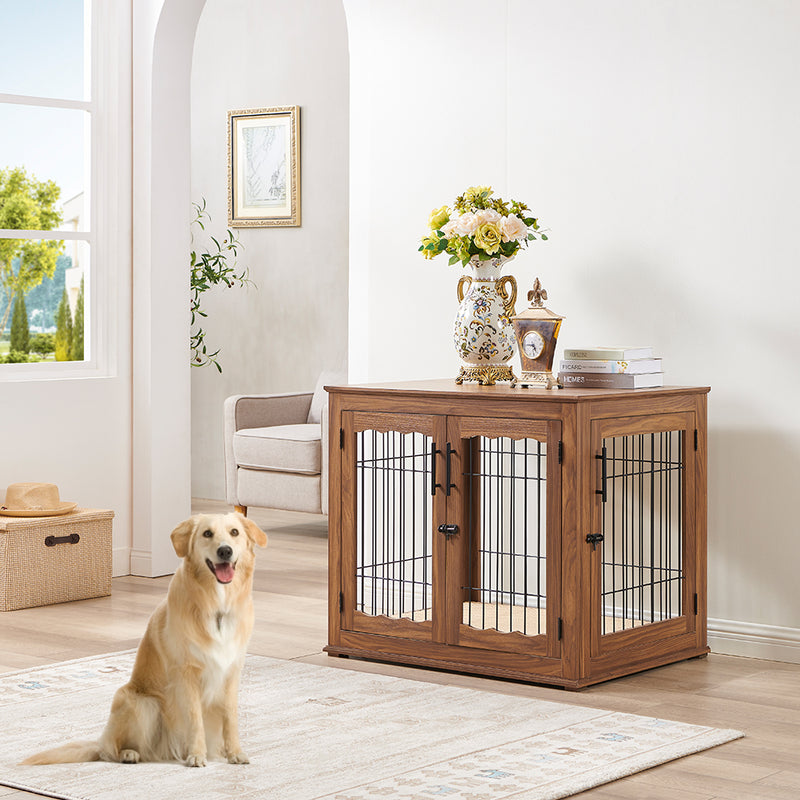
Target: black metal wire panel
x: 506, y: 586
x: 642, y: 572
x: 394, y: 508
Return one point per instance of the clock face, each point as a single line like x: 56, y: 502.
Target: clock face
x: 533, y: 345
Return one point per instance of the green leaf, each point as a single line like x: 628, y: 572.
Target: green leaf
x: 544, y: 237
x: 453, y: 260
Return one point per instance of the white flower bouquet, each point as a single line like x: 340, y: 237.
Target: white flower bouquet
x: 480, y: 225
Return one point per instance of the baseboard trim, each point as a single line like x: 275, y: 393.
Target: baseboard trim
x: 753, y: 640
x: 120, y: 562
x: 141, y: 563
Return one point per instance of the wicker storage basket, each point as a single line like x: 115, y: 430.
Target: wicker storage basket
x: 46, y: 560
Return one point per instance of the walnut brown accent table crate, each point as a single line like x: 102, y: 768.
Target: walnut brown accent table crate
x: 46, y: 560
x: 548, y: 536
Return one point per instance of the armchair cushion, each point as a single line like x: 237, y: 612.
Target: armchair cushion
x: 285, y: 448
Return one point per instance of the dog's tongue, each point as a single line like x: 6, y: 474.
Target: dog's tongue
x: 224, y: 572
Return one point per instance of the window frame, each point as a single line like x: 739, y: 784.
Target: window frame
x: 107, y: 190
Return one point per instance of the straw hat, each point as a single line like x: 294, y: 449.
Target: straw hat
x: 34, y: 500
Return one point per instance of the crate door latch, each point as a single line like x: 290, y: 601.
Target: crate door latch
x: 594, y: 539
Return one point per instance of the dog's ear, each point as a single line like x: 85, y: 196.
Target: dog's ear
x: 254, y: 533
x: 181, y: 535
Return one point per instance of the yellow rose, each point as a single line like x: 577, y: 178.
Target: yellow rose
x: 488, y: 238
x: 438, y: 218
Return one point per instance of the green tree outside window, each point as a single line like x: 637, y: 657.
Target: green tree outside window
x: 63, y: 330
x: 20, y: 331
x: 26, y: 204
x: 76, y: 345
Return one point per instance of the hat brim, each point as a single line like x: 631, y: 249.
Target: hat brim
x: 61, y: 508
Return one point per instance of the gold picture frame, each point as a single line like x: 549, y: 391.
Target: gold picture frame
x: 264, y: 167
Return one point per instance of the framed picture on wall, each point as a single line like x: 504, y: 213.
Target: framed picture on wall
x: 264, y: 167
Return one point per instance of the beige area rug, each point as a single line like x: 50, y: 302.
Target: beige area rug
x: 315, y: 732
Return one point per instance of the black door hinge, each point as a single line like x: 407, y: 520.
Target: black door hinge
x: 341, y: 602
x: 695, y: 605
x: 560, y: 628
x: 561, y: 452
x: 341, y: 438
x: 695, y: 439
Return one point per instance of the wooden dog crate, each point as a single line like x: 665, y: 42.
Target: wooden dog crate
x: 46, y: 560
x: 549, y: 536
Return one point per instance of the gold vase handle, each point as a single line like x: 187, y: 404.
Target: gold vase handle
x: 509, y: 299
x: 464, y: 282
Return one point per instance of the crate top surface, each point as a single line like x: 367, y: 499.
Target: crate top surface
x: 78, y: 515
x: 448, y: 388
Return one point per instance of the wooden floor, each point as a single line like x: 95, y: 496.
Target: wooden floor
x: 762, y: 698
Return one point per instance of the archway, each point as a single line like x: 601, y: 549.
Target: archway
x: 163, y: 35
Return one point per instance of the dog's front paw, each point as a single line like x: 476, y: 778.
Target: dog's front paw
x: 196, y: 760
x: 238, y: 758
x: 129, y: 757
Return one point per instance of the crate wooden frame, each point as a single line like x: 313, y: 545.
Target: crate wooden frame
x: 574, y: 650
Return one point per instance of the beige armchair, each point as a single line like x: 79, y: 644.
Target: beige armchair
x: 276, y: 450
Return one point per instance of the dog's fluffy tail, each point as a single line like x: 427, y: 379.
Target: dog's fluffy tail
x: 69, y: 753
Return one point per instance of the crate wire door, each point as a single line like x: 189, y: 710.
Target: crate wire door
x: 504, y: 564
x: 449, y: 535
x: 646, y: 583
x: 392, y: 557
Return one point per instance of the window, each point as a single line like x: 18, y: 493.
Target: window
x: 61, y: 62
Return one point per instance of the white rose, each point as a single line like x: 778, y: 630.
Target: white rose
x: 466, y: 224
x: 488, y: 215
x: 449, y: 228
x: 513, y: 228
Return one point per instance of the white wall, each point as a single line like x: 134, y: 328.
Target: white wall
x: 658, y: 142
x: 119, y: 438
x: 281, y: 335
x: 75, y: 431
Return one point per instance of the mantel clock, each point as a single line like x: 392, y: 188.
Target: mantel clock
x: 536, y: 330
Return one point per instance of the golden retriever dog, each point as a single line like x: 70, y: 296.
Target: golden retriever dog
x: 181, y: 701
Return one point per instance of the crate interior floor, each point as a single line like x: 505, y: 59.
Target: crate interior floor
x: 529, y: 621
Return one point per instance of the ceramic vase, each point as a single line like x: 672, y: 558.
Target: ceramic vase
x: 482, y: 333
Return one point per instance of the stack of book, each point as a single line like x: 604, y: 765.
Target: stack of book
x: 621, y: 367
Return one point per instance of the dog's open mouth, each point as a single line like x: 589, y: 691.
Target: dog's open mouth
x: 222, y: 571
